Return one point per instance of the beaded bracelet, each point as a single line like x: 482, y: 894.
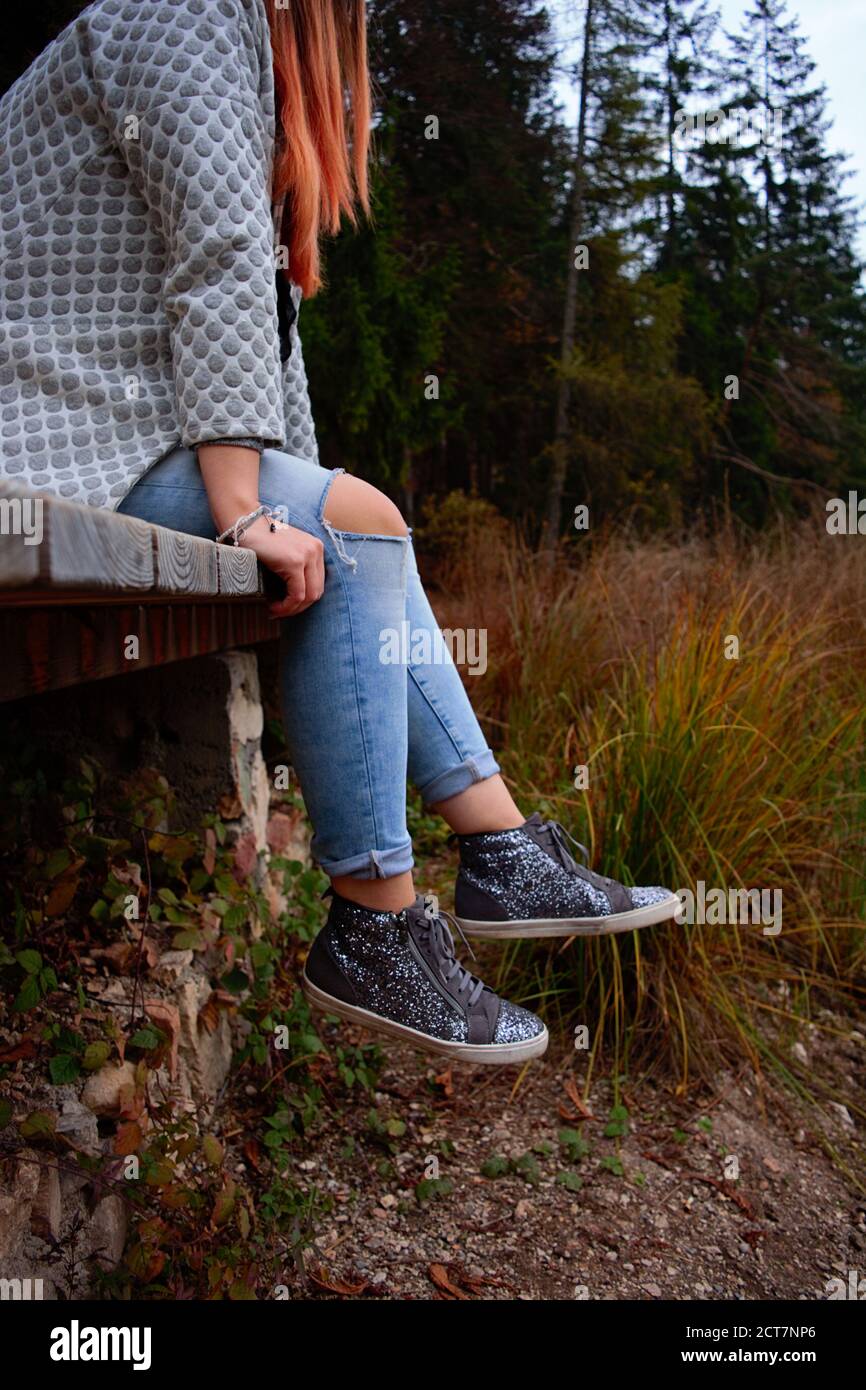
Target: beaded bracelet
x: 244, y: 523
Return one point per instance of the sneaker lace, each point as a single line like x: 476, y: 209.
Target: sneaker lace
x: 446, y: 959
x: 558, y: 837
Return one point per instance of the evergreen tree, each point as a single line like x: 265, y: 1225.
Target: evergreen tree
x: 805, y: 347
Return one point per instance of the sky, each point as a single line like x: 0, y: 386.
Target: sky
x: 835, y: 31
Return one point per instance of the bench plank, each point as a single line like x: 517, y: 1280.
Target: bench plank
x: 185, y: 564
x: 88, y: 551
x: 238, y: 571
x: 89, y: 548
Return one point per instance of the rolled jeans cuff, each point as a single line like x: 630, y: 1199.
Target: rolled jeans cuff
x: 373, y: 863
x: 457, y: 779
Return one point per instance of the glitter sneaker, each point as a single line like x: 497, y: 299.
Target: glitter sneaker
x: 396, y: 974
x: 526, y: 882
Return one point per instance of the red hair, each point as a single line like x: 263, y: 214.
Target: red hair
x: 323, y: 106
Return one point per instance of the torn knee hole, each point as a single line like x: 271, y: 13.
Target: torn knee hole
x: 361, y: 509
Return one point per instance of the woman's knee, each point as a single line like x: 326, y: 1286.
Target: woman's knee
x: 353, y: 505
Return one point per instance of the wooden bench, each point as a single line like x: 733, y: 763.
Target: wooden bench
x: 88, y: 596
x: 76, y: 582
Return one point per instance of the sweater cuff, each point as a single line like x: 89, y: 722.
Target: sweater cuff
x: 257, y: 444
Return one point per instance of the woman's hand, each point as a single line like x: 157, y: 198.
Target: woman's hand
x: 231, y: 477
x: 296, y: 557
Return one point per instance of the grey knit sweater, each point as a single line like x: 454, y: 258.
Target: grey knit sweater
x: 137, y: 272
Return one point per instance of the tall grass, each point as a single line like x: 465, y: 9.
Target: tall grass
x: 742, y: 771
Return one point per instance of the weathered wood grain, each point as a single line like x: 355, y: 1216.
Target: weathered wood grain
x: 57, y: 548
x: 184, y: 564
x: 238, y: 571
x: 96, y: 549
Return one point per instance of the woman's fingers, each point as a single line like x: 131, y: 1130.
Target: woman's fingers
x: 317, y: 572
x: 304, y: 578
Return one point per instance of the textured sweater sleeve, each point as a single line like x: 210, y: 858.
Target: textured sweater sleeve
x: 195, y: 138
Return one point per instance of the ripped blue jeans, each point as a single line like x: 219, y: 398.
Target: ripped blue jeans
x: 357, y: 721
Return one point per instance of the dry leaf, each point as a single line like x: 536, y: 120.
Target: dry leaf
x: 27, y: 1047
x: 252, y: 1154
x: 166, y: 1016
x: 331, y: 1285
x: 444, y: 1080
x: 61, y: 894
x: 128, y: 1138
x: 577, y: 1100
x: 209, y: 857
x: 440, y: 1276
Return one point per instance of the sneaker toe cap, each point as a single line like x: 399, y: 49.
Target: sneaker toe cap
x: 516, y: 1025
x: 647, y: 897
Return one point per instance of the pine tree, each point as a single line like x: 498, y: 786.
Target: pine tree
x: 806, y: 343
x: 682, y: 34
x: 615, y: 166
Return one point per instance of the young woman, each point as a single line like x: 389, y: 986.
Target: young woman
x: 153, y: 158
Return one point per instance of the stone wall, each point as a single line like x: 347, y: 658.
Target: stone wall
x: 200, y: 722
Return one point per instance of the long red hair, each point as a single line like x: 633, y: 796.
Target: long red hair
x: 323, y: 106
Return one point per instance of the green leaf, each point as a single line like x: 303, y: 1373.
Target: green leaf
x: 5, y: 1112
x: 617, y: 1125
x: 495, y: 1167
x: 166, y: 896
x: 235, y: 980
x: 428, y: 1188
x: 57, y: 862
x: 225, y: 1203
x: 189, y: 940
x: 64, y: 1068
x: 96, y: 1054
x: 70, y: 1041
x: 99, y: 910
x: 159, y: 1174
x: 29, y: 960
x: 570, y: 1180
x: 39, y: 1124
x: 527, y: 1166
x: 28, y: 995
x: 146, y: 1038
x: 212, y: 1150
x: 576, y: 1147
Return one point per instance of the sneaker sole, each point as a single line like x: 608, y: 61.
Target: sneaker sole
x: 483, y: 1054
x: 575, y: 926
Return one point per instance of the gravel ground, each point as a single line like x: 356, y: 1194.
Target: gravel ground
x: 542, y: 1196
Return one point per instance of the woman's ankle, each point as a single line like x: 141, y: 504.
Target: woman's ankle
x: 482, y: 808
x: 377, y: 894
